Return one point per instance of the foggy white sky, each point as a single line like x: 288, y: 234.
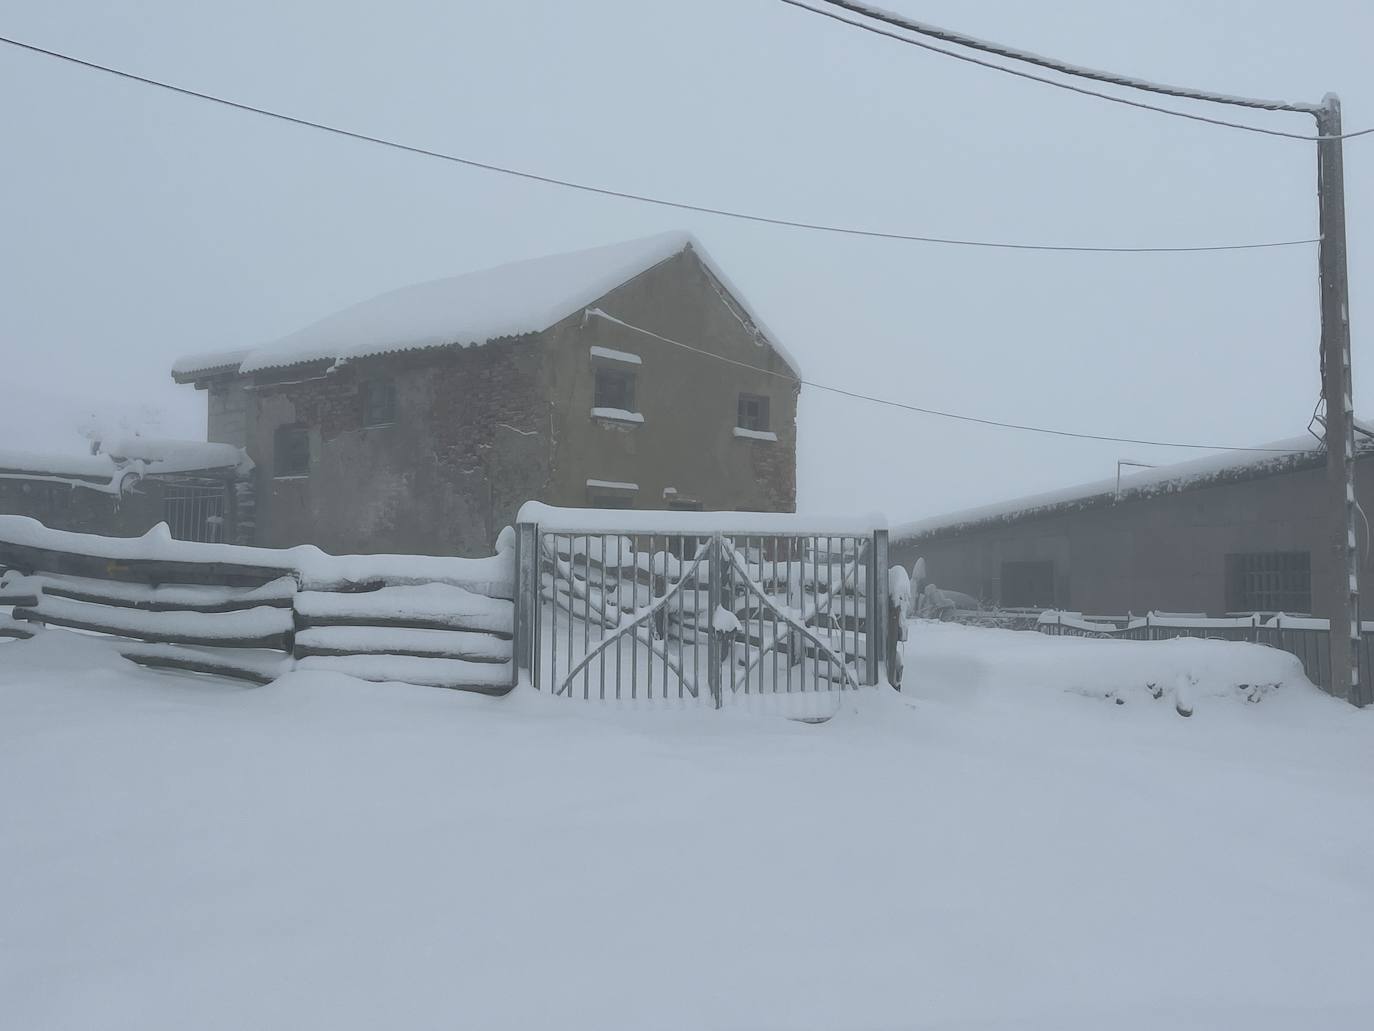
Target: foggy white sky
x: 138, y: 225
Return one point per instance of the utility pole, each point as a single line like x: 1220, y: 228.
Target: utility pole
x: 1343, y: 599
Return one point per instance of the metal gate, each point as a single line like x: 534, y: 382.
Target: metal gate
x: 695, y: 617
x: 194, y: 508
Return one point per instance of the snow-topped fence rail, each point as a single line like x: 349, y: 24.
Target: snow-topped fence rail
x: 254, y: 613
x: 1307, y: 638
x: 697, y: 608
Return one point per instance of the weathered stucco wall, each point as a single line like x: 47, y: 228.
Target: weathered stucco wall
x: 689, y: 402
x: 1164, y: 553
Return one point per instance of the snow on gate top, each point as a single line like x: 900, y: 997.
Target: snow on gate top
x: 643, y: 521
x: 468, y: 310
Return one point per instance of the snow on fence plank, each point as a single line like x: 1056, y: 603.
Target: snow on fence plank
x: 157, y: 557
x: 493, y: 576
x: 430, y: 620
x: 261, y: 627
x: 239, y: 664
x: 433, y: 606
x: 485, y: 677
x: 17, y: 589
x: 375, y: 640
x: 14, y: 628
x: 189, y: 597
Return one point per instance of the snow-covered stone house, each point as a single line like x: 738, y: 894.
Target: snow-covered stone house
x: 420, y: 420
x: 1248, y: 531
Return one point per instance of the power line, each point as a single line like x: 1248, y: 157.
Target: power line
x: 937, y: 412
x: 971, y: 42
x: 641, y: 198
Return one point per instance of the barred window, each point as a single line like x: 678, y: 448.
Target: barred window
x: 1274, y: 581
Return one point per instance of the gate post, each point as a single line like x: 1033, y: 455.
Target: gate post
x: 877, y: 599
x: 716, y: 572
x: 526, y: 644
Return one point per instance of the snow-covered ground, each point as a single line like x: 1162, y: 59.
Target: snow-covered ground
x: 1003, y: 847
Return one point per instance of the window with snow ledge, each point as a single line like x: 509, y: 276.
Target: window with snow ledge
x: 291, y: 451
x: 379, y: 402
x: 618, y: 415
x: 752, y: 414
x: 615, y: 389
x: 741, y: 432
x: 606, y: 354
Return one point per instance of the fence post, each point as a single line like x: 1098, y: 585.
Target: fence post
x: 526, y: 600
x: 877, y: 600
x: 716, y: 571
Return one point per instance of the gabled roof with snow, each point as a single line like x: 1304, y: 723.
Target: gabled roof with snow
x: 1281, y: 456
x: 509, y: 300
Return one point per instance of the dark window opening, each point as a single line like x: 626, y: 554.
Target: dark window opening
x: 291, y: 451
x: 753, y: 413
x: 611, y: 501
x: 379, y: 402
x: 1028, y: 585
x: 1276, y: 581
x: 615, y: 388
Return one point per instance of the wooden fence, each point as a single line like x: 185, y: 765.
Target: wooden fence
x: 255, y: 613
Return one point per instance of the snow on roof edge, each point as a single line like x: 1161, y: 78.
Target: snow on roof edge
x: 1277, y: 457
x: 762, y: 329
x: 626, y: 260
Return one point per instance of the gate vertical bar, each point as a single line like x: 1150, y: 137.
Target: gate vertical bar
x: 716, y: 565
x: 526, y: 600
x: 878, y: 601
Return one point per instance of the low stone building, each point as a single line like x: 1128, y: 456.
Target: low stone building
x: 1243, y: 532
x: 202, y: 491
x: 632, y: 375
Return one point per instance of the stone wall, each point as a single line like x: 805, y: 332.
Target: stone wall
x: 480, y: 430
x: 468, y: 446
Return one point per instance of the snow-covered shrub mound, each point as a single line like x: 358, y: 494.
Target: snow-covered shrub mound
x: 950, y: 662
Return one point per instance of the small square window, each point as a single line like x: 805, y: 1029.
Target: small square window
x: 291, y: 451
x: 379, y: 402
x: 753, y: 413
x: 615, y: 388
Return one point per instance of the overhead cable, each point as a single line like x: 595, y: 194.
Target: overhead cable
x: 998, y: 423
x: 644, y: 198
x: 922, y: 28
